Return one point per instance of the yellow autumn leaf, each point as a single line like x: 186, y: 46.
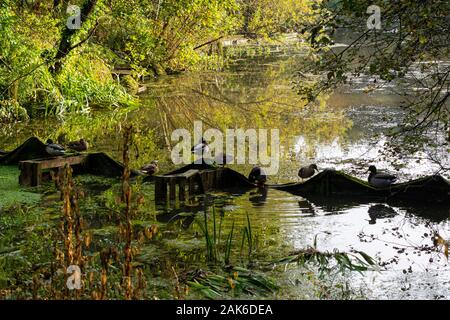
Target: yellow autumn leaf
x: 231, y: 282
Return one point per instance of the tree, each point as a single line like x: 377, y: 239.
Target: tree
x: 414, y: 36
x: 268, y: 18
x: 65, y: 45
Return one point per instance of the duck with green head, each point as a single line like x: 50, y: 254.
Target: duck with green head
x: 54, y: 149
x: 307, y: 172
x: 380, y: 179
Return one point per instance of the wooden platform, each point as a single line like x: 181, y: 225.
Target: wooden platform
x: 183, y: 186
x: 31, y: 170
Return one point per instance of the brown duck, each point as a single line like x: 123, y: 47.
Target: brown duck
x: 80, y: 145
x: 151, y: 168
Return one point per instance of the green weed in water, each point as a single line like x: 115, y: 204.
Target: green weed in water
x: 237, y: 282
x: 11, y: 191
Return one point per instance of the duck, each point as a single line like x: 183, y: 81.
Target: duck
x: 80, y: 145
x: 54, y: 149
x: 380, y: 179
x: 307, y: 172
x: 257, y: 176
x: 151, y: 168
x: 62, y: 139
x: 200, y: 148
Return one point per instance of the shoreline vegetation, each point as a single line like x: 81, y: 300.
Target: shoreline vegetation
x: 49, y: 68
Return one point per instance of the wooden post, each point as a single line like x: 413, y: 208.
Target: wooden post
x: 172, y: 189
x: 160, y: 190
x: 177, y: 186
x: 25, y: 174
x: 182, y: 187
x: 37, y: 174
x: 191, y: 186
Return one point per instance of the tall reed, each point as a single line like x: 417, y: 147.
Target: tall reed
x: 126, y: 226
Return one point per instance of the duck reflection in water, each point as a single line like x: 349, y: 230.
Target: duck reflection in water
x: 306, y: 208
x: 380, y: 211
x: 258, y: 198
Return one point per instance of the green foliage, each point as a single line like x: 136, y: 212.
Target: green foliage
x: 51, y: 69
x: 330, y: 262
x: 130, y: 84
x: 219, y: 251
x: 26, y: 51
x: 165, y: 34
x: 270, y: 18
x: 11, y: 111
x: 238, y: 281
x: 86, y: 81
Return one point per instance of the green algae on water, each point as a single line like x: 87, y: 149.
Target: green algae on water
x: 10, y: 190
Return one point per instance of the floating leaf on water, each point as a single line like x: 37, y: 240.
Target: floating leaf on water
x: 440, y: 242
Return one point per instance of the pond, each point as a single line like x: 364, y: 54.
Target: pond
x: 344, y: 130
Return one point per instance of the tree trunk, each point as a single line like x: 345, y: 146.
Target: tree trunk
x: 65, y: 45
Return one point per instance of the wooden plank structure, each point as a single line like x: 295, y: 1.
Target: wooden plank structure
x: 331, y: 183
x: 183, y: 186
x: 31, y: 170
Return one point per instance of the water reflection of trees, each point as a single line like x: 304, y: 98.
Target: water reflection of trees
x: 227, y: 101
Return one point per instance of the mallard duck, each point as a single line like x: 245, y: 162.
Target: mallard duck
x: 54, y: 149
x: 200, y: 148
x: 257, y: 176
x: 151, y: 168
x: 80, y: 145
x: 307, y: 172
x: 379, y: 179
x: 62, y: 138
